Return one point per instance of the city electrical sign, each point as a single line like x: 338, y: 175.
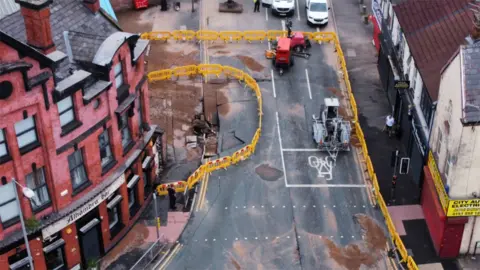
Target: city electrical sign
x: 463, y: 208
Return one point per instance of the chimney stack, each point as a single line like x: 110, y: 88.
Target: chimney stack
x: 93, y: 5
x: 36, y: 14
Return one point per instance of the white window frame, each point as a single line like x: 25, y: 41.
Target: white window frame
x: 38, y: 185
x: 23, y: 128
x: 66, y: 108
x: 108, y: 148
x: 80, y: 166
x: 116, y: 213
x: 3, y: 144
x: 118, y: 72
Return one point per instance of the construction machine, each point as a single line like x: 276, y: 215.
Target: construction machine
x: 330, y: 131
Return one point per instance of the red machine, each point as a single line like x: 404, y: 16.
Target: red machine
x: 140, y: 4
x: 299, y: 42
x: 283, y: 59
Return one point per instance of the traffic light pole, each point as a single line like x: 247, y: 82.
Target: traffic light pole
x: 394, y: 179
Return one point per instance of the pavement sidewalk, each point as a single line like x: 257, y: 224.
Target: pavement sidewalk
x: 373, y: 106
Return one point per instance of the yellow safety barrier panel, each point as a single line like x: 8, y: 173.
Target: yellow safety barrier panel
x: 207, y: 35
x: 242, y: 154
x: 250, y: 82
x: 322, y: 37
x: 234, y: 72
x: 231, y: 36
x: 256, y: 137
x: 160, y: 75
x: 221, y: 163
x: 158, y: 35
x: 185, y: 35
x: 207, y: 69
x: 179, y: 186
x: 254, y: 35
x: 196, y: 175
x: 185, y: 71
x: 274, y: 34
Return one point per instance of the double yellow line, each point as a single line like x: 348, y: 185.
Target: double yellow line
x: 170, y: 257
x: 203, y: 192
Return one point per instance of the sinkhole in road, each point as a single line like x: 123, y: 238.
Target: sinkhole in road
x: 268, y: 173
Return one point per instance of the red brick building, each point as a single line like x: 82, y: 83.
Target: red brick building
x: 75, y: 113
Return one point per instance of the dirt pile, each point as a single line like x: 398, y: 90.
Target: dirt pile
x: 163, y: 57
x: 351, y: 256
x: 374, y: 235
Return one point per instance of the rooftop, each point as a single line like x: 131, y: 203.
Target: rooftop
x: 66, y: 15
x: 470, y: 55
x: 434, y: 29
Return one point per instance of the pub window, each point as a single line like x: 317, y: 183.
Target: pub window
x: 140, y: 116
x: 125, y: 131
x: 36, y: 182
x: 55, y: 254
x: 133, y: 204
x: 117, y: 69
x: 106, y: 155
x: 77, y: 170
x: 114, y: 214
x: 26, y: 134
x: 9, y: 212
x: 19, y: 261
x: 3, y: 145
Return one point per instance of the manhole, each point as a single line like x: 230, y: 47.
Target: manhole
x: 268, y: 173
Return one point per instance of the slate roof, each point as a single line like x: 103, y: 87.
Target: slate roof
x: 66, y: 15
x: 434, y: 29
x: 471, y: 82
x: 84, y: 46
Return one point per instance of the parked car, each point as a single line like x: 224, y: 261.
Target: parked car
x: 283, y: 7
x: 317, y: 12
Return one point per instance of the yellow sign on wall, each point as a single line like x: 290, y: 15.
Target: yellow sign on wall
x: 437, y: 180
x: 464, y: 208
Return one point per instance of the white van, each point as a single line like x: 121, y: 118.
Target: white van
x: 267, y: 3
x: 283, y: 7
x: 317, y: 12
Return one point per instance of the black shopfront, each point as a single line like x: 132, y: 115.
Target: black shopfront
x: 90, y: 237
x: 413, y: 140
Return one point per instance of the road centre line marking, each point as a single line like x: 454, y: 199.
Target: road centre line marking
x: 327, y: 185
x: 281, y: 152
x: 318, y: 29
x: 266, y: 14
x: 283, y: 25
x: 273, y: 83
x: 298, y: 11
x: 308, y: 84
x: 301, y: 150
x: 269, y: 46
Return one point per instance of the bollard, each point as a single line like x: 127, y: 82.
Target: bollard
x: 365, y: 19
x: 364, y: 9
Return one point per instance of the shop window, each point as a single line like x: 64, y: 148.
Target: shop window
x: 77, y: 171
x: 448, y: 167
x: 106, y: 155
x: 438, y: 146
x: 125, y: 131
x: 36, y: 182
x: 3, y: 147
x: 9, y: 212
x: 114, y: 214
x: 19, y: 261
x: 55, y: 254
x: 26, y: 134
x: 118, y: 70
x: 133, y: 204
x: 66, y: 111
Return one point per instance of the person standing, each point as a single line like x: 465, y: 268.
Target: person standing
x: 172, y: 197
x: 257, y: 6
x: 389, y: 122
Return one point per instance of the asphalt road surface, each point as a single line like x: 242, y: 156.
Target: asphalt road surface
x: 288, y: 206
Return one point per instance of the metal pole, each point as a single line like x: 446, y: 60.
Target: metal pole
x: 394, y: 178
x: 157, y: 218
x: 25, y: 235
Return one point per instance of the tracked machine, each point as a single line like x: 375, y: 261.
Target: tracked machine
x: 330, y: 131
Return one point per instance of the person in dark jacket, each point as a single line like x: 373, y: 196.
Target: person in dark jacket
x: 172, y: 197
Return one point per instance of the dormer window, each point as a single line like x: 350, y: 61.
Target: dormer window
x: 118, y: 74
x: 65, y: 111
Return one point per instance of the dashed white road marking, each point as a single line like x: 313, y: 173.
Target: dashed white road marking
x: 308, y: 84
x: 273, y: 82
x: 301, y: 150
x: 326, y: 185
x: 283, y: 25
x: 281, y: 150
x: 258, y: 238
x: 302, y: 206
x: 266, y: 14
x: 318, y: 29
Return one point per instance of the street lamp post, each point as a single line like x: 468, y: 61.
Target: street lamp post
x: 29, y: 194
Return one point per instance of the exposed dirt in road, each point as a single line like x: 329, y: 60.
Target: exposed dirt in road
x: 297, y: 110
x: 268, y: 173
x: 337, y: 92
x: 251, y: 63
x: 374, y: 235
x: 222, y: 52
x: 163, y: 56
x: 134, y: 21
x: 217, y: 46
x: 351, y: 256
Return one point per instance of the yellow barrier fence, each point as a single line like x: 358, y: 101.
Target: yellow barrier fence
x: 245, y: 152
x: 207, y: 69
